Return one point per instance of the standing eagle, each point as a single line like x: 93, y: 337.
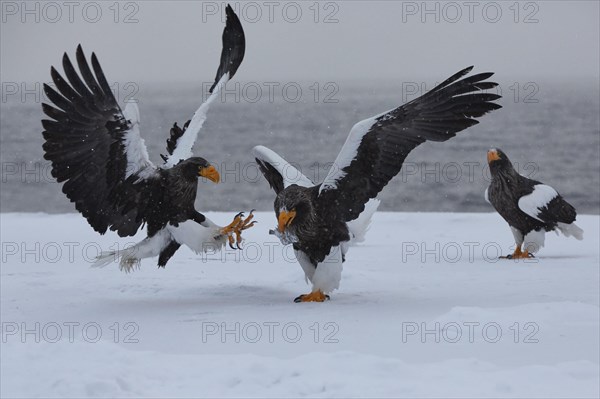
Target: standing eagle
x: 529, y: 207
x: 97, y: 152
x: 321, y: 220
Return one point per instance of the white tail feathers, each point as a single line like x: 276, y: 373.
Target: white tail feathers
x: 359, y: 226
x: 571, y: 230
x: 128, y: 262
x: 105, y: 258
x: 198, y: 237
x: 131, y: 256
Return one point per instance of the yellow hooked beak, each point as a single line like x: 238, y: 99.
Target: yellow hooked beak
x: 492, y: 155
x: 285, y: 218
x: 210, y: 173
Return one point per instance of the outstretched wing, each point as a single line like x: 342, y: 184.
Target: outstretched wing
x: 377, y: 147
x: 546, y: 205
x: 96, y: 149
x: 234, y: 46
x: 174, y: 135
x: 278, y: 172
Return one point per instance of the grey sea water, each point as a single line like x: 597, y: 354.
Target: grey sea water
x: 551, y: 131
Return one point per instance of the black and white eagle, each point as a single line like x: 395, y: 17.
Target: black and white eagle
x: 322, y: 220
x: 97, y: 152
x: 529, y: 207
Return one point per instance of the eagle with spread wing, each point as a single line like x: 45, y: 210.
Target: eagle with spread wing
x: 97, y: 152
x: 321, y: 220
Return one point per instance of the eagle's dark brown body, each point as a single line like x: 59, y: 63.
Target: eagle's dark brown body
x: 318, y: 217
x: 316, y: 232
x: 530, y: 207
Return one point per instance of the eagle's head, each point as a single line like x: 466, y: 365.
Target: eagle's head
x: 193, y: 167
x: 293, y: 208
x: 498, y: 161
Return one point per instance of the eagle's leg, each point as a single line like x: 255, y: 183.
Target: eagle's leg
x: 518, y: 254
x: 167, y: 252
x: 315, y: 296
x: 521, y: 255
x: 244, y: 225
x: 198, y: 218
x: 236, y: 227
x: 515, y: 254
x: 326, y: 276
x: 231, y: 241
x: 231, y: 226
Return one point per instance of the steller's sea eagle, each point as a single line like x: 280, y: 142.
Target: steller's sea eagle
x: 320, y: 220
x: 97, y: 152
x: 529, y: 207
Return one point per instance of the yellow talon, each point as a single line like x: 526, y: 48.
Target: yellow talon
x: 518, y: 254
x: 231, y: 241
x: 231, y: 226
x: 315, y: 296
x: 233, y: 231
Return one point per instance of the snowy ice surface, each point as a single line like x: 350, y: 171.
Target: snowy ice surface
x: 424, y: 309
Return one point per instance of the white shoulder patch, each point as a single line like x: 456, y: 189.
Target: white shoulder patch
x: 349, y: 150
x: 138, y: 160
x: 185, y: 144
x: 539, y: 198
x: 347, y: 153
x: 485, y: 195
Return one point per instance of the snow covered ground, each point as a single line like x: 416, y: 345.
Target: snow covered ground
x: 425, y: 309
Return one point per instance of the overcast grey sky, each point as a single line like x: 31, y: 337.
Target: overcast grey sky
x: 180, y: 40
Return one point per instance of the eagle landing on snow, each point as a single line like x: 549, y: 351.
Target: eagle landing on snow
x: 529, y: 207
x: 322, y: 220
x: 97, y: 152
